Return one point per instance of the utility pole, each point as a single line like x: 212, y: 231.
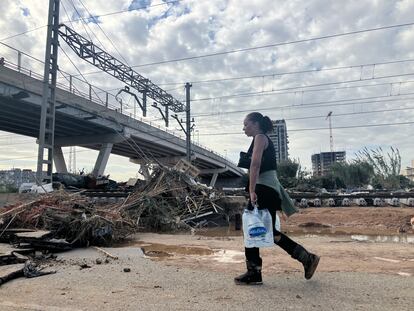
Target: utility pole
x: 188, y: 127
x: 187, y: 120
x: 47, y: 114
x: 329, y: 116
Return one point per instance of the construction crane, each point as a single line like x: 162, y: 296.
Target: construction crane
x: 330, y: 129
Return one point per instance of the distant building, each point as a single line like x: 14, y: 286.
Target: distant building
x: 409, y: 172
x: 279, y: 139
x: 322, y: 162
x: 15, y: 177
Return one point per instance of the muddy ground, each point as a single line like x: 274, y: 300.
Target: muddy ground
x: 367, y: 220
x: 367, y: 263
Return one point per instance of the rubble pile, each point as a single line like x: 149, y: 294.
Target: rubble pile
x: 32, y: 232
x: 66, y: 216
x: 170, y: 200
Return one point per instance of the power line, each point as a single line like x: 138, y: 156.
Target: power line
x: 293, y: 72
x: 278, y: 44
x: 268, y: 46
x: 66, y: 12
x: 94, y: 17
x: 335, y: 115
x: 319, y: 128
x: 22, y: 33
x: 272, y: 93
x: 79, y: 72
x: 84, y: 23
x: 119, y: 53
x: 282, y: 91
x: 339, y: 102
x: 124, y: 11
x: 351, y: 113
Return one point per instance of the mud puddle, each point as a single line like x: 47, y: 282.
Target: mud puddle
x: 163, y: 251
x: 223, y: 233
x: 157, y: 252
x: 401, y: 238
x: 220, y: 253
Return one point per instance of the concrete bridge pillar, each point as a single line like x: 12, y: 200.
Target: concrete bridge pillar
x: 59, y: 160
x: 213, y: 179
x: 102, y: 159
x: 215, y: 172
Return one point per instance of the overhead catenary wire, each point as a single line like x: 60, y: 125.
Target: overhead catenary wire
x: 325, y: 102
x: 66, y: 12
x: 387, y: 83
x: 265, y: 92
x: 22, y: 33
x: 290, y: 130
x: 317, y: 128
x: 299, y: 89
x: 70, y: 95
x: 331, y: 103
x: 280, y: 44
x: 109, y: 39
x: 268, y: 46
x: 80, y: 72
x: 84, y: 25
x: 259, y: 93
x: 288, y: 119
x: 285, y: 73
x: 95, y: 17
x: 324, y: 116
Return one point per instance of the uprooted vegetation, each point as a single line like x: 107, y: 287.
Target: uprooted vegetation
x: 171, y: 200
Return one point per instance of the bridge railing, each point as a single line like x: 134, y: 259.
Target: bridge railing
x: 75, y: 85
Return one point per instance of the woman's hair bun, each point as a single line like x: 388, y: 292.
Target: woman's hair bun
x: 266, y: 124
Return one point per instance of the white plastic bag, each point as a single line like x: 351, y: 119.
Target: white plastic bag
x: 257, y: 228
x: 277, y: 222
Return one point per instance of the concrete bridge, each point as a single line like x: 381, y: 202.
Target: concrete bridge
x: 82, y: 121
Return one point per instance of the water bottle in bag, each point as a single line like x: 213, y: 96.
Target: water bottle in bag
x: 257, y: 228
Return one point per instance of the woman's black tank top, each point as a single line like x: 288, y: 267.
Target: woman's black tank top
x: 268, y: 158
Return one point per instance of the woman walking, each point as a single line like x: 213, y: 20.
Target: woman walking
x: 265, y: 191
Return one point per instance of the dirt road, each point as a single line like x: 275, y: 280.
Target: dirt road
x: 183, y: 272
x: 195, y: 272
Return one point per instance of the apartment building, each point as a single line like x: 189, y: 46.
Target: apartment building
x: 279, y: 139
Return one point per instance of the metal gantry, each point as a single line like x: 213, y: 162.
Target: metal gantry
x: 94, y: 55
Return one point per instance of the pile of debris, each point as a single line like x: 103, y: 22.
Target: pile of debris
x: 170, y: 200
x: 59, y: 221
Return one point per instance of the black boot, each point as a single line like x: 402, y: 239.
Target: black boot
x: 310, y: 261
x: 253, y: 276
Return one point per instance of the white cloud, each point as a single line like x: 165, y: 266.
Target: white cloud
x: 200, y: 27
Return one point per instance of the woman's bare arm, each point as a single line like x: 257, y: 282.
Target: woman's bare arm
x: 260, y: 144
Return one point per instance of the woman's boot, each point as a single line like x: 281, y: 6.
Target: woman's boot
x: 253, y: 276
x: 310, y: 261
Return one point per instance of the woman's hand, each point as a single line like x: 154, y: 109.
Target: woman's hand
x: 253, y: 197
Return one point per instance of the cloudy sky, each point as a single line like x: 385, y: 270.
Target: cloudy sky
x: 292, y: 60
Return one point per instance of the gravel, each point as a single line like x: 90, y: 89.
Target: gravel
x: 158, y: 285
